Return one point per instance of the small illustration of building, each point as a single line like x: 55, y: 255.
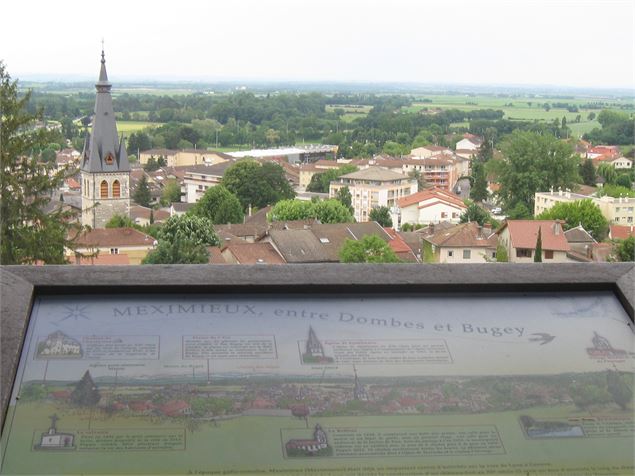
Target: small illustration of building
x: 53, y: 440
x: 314, y: 350
x: 359, y: 391
x: 59, y: 344
x: 602, y: 348
x: 317, y: 446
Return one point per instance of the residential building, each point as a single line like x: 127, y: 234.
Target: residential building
x: 469, y: 142
x: 607, y: 150
x: 105, y: 170
x: 184, y: 157
x: 621, y: 232
x: 464, y: 243
x: 581, y: 243
x: 112, y: 241
x: 430, y: 206
x: 619, y: 163
x: 144, y: 215
x: 251, y: 253
x: 519, y: 237
x: 293, y: 155
x: 373, y: 187
x: 198, y: 178
x: 620, y: 211
x: 427, y: 151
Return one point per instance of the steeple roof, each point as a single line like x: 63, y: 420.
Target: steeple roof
x: 104, y: 151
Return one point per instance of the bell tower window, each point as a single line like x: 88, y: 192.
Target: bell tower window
x: 103, y: 189
x: 116, y: 189
x: 109, y: 159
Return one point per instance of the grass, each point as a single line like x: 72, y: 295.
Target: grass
x: 255, y: 442
x: 128, y: 127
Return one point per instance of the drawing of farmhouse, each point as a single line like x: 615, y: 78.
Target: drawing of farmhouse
x: 53, y: 440
x: 602, y: 348
x: 317, y: 446
x: 59, y: 344
x: 314, y: 350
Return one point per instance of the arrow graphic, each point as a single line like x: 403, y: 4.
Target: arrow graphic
x: 542, y: 337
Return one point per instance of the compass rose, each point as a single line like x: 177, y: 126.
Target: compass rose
x: 75, y: 313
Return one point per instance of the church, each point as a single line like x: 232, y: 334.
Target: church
x: 105, y: 170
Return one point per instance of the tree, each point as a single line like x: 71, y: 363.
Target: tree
x: 381, y: 215
x: 85, y: 393
x: 538, y: 250
x: 478, y: 191
x: 608, y: 173
x: 535, y: 162
x: 624, y: 180
x: 332, y: 211
x: 326, y: 211
x: 219, y: 205
x: 321, y: 182
x: 591, y: 116
x: 48, y: 155
x: 184, y: 239
x: 625, y: 249
x: 579, y: 212
x: 171, y: 192
x: 587, y: 172
x: 257, y: 185
x: 370, y: 249
x: 142, y: 192
x: 151, y: 165
x: 419, y: 177
x: 138, y: 141
x: 501, y: 254
x: 475, y: 213
x: 120, y: 221
x: 27, y: 232
x: 345, y: 197
x: 618, y: 388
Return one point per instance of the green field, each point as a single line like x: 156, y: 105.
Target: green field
x: 128, y: 127
x: 351, y: 112
x: 256, y: 442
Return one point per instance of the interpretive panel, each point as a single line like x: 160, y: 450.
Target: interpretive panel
x: 313, y: 384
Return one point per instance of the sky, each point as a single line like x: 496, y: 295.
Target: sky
x: 577, y: 43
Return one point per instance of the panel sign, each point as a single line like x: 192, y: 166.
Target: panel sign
x: 395, y: 385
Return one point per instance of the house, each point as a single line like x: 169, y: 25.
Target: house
x: 183, y: 157
x: 519, y: 238
x: 464, y: 243
x: 598, y: 150
x: 175, y: 408
x: 620, y: 211
x: 298, y: 246
x: 400, y: 247
x: 113, y: 241
x: 251, y: 253
x: 333, y: 236
x: 198, y: 178
x: 427, y: 151
x: 441, y: 171
x: 469, y: 142
x: 430, y: 206
x: 179, y: 208
x: 581, y: 243
x: 619, y: 163
x: 102, y: 260
x: 144, y: 215
x: 373, y: 187
x: 621, y: 232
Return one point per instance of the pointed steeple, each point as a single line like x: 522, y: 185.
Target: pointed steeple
x: 103, y: 151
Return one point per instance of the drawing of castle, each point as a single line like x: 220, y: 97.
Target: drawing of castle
x: 54, y: 440
x: 602, y: 348
x: 317, y: 446
x: 314, y: 350
x: 59, y: 344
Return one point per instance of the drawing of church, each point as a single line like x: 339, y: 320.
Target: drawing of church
x: 54, y: 440
x: 602, y: 348
x: 359, y: 391
x: 59, y: 344
x: 314, y: 350
x: 318, y: 446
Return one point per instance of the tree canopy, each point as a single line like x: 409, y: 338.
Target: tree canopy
x: 326, y: 211
x: 28, y: 232
x: 219, y: 205
x: 579, y: 212
x: 370, y: 249
x: 257, y: 184
x: 381, y: 215
x: 533, y: 163
x: 142, y: 194
x: 320, y: 182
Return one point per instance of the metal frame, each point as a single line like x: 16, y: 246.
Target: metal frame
x: 19, y: 285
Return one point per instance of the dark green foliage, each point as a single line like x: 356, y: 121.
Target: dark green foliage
x: 587, y: 172
x: 478, y: 191
x: 120, y: 221
x: 535, y: 163
x: 625, y: 249
x: 617, y: 128
x: 519, y: 212
x: 538, y: 250
x: 345, y: 198
x: 618, y: 388
x: 326, y: 211
x: 476, y: 213
x: 138, y: 142
x: 219, y: 205
x: 501, y: 254
x: 257, y: 185
x: 579, y: 212
x: 171, y: 192
x: 615, y: 191
x: 623, y: 180
x: 381, y: 215
x: 142, y: 194
x: 370, y: 249
x: 85, y: 393
x: 27, y: 233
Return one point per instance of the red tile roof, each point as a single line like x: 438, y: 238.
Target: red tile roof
x: 105, y: 237
x: 621, y: 232
x: 524, y: 234
x: 255, y: 253
x: 432, y: 193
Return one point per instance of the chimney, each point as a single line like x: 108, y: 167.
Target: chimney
x: 556, y: 228
x: 487, y: 229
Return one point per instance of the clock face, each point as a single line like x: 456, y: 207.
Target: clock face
x: 210, y: 383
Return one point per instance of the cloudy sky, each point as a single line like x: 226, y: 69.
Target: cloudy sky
x: 557, y: 42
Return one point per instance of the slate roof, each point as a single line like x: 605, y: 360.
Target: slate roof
x: 376, y: 174
x: 243, y: 229
x: 578, y: 235
x: 103, y: 149
x: 299, y: 246
x: 255, y: 253
x: 216, y: 170
x: 524, y: 234
x: 137, y: 211
x: 466, y: 235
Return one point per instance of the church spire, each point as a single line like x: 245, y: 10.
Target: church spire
x: 103, y: 75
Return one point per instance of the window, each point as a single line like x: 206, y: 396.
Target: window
x: 103, y: 189
x: 444, y: 215
x: 109, y: 159
x: 450, y: 254
x: 523, y: 253
x: 116, y: 189
x: 114, y: 251
x: 548, y: 254
x: 467, y: 254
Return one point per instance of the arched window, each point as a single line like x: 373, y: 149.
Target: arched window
x: 116, y: 189
x: 103, y: 189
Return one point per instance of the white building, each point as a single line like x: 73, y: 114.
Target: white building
x: 430, y: 206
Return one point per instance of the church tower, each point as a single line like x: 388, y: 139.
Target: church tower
x: 105, y: 170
